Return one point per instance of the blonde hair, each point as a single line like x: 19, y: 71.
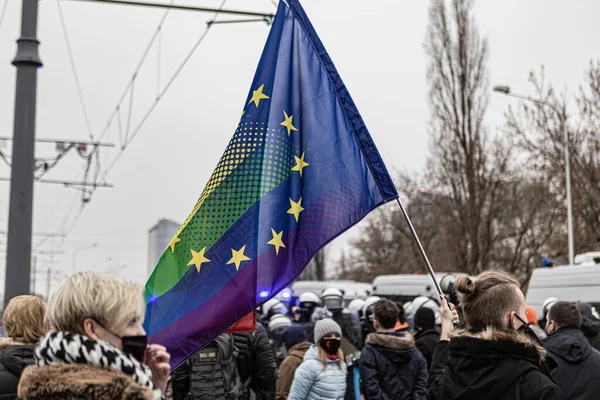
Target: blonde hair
x: 486, y: 299
x: 109, y: 300
x: 324, y: 359
x: 24, y: 319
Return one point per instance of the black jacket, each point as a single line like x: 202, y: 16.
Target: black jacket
x: 578, y: 370
x: 489, y: 365
x: 590, y: 326
x: 392, y: 368
x: 13, y: 360
x: 426, y: 341
x: 256, y: 363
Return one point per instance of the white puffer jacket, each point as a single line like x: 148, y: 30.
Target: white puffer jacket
x: 312, y: 383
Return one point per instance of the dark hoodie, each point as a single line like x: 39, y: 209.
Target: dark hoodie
x: 13, y: 360
x: 590, y: 325
x: 578, y: 371
x: 391, y: 367
x: 490, y: 364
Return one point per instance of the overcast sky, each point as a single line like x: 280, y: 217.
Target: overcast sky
x: 377, y: 47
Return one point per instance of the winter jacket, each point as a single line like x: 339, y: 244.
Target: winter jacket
x: 256, y: 363
x: 312, y: 382
x: 79, y: 382
x: 578, y: 370
x: 426, y: 341
x: 391, y: 367
x: 288, y: 368
x: 13, y: 360
x: 590, y: 326
x: 490, y: 364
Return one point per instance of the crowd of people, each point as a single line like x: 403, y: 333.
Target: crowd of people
x: 486, y: 343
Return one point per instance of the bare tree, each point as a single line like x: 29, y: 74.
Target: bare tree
x: 465, y: 165
x: 481, y: 208
x: 538, y: 134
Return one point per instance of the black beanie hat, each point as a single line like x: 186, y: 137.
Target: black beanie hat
x: 425, y: 318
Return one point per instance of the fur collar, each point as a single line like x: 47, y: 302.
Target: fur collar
x: 79, y: 381
x: 494, y: 334
x: 404, y: 341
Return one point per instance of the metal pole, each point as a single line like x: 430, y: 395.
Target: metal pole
x: 568, y: 180
x: 27, y: 61
x: 421, y: 249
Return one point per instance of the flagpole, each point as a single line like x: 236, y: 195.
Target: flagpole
x: 421, y: 249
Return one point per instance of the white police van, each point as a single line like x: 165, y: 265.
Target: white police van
x: 580, y: 282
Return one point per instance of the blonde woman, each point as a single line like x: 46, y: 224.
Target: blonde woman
x: 322, y: 374
x: 24, y: 320
x: 98, y: 348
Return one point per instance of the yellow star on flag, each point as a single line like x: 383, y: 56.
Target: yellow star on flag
x: 198, y: 258
x: 300, y: 164
x: 237, y: 257
x: 288, y: 123
x: 296, y: 208
x: 258, y: 95
x: 276, y: 241
x: 173, y: 242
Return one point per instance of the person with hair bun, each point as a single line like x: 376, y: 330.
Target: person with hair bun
x: 496, y: 356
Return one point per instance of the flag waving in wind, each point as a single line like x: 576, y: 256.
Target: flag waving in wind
x: 300, y: 169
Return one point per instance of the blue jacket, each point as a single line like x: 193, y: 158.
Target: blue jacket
x: 391, y: 367
x: 311, y: 382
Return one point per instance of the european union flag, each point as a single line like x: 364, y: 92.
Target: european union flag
x: 300, y: 169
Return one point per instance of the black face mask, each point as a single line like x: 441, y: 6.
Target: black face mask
x: 527, y: 331
x: 331, y: 346
x: 135, y: 346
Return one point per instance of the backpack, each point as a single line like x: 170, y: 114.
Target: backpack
x: 213, y: 371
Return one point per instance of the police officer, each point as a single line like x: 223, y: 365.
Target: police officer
x: 333, y: 301
x: 307, y: 302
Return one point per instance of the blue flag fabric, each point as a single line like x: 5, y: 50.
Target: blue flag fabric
x: 300, y: 169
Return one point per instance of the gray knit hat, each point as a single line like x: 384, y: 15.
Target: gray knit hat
x: 324, y: 327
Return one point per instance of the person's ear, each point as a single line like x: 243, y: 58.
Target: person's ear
x: 90, y: 328
x: 376, y: 325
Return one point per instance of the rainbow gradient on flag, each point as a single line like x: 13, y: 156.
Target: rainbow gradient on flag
x: 300, y: 169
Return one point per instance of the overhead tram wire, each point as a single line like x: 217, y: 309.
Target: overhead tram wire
x: 3, y: 13
x: 74, y: 70
x: 162, y: 93
x: 112, y: 117
x: 135, y: 72
x: 159, y: 97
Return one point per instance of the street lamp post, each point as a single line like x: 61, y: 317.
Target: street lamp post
x: 506, y: 91
x: 76, y: 251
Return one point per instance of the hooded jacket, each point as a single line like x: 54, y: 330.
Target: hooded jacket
x: 288, y: 368
x: 590, y: 326
x: 13, y: 360
x: 490, y: 364
x: 391, y: 367
x: 313, y: 382
x: 578, y: 370
x: 426, y: 341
